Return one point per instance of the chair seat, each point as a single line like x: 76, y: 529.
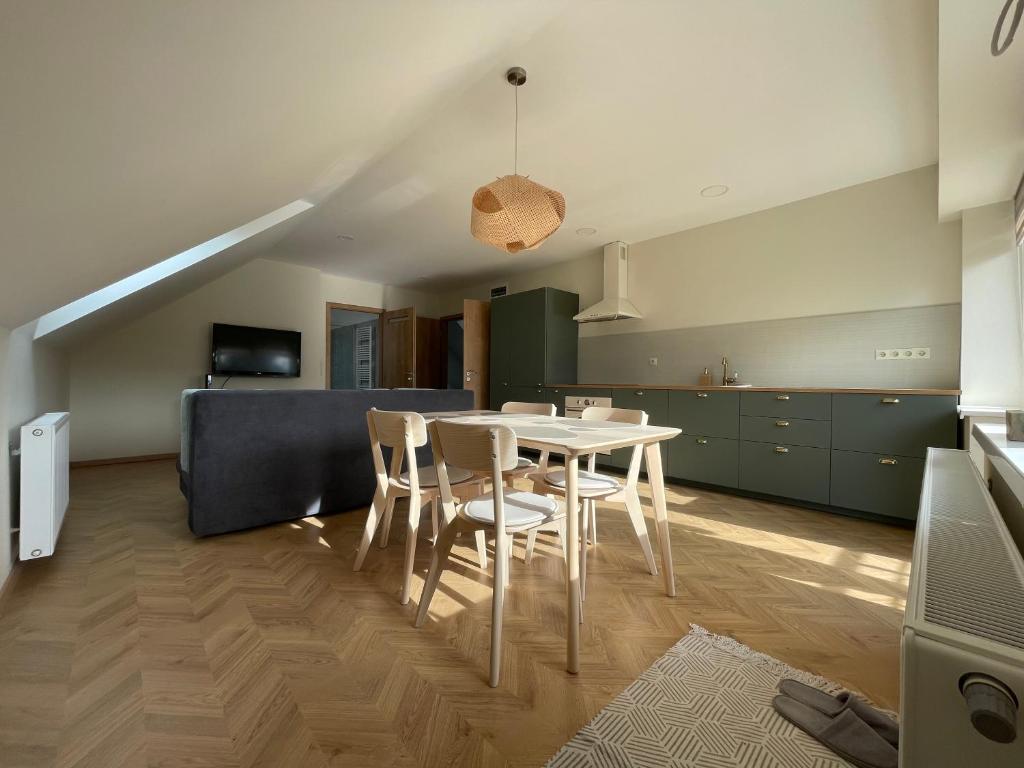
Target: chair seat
x: 524, y: 465
x: 588, y: 481
x: 428, y: 476
x: 521, y: 508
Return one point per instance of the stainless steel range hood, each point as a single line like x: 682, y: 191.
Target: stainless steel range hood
x: 616, y: 304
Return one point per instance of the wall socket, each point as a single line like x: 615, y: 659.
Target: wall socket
x: 652, y: 361
x: 904, y: 353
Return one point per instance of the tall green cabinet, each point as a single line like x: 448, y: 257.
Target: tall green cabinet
x: 534, y: 342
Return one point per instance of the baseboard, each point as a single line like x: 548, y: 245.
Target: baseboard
x: 8, y: 588
x: 123, y: 460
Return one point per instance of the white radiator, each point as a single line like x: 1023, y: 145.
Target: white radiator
x: 44, y: 483
x: 962, y: 665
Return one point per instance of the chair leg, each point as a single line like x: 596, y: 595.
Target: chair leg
x: 583, y: 549
x: 438, y: 560
x: 372, y: 519
x: 531, y: 541
x: 593, y: 522
x: 636, y: 516
x: 434, y: 518
x: 498, y: 604
x: 481, y: 548
x: 385, y: 529
x: 415, y: 508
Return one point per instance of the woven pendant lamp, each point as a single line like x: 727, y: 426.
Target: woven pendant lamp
x: 514, y: 213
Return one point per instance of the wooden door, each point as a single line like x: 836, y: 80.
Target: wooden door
x: 398, y: 348
x: 476, y: 344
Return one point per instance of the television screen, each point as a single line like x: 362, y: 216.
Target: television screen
x: 238, y: 350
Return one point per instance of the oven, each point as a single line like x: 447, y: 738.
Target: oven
x: 575, y: 404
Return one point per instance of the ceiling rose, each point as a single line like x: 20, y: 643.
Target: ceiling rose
x: 514, y: 213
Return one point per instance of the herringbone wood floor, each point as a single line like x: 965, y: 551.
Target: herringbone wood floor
x: 138, y: 645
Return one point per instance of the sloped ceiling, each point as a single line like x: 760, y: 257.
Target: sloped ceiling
x: 133, y: 131
x: 981, y: 108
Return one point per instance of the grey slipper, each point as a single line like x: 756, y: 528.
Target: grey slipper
x: 886, y: 727
x: 845, y: 734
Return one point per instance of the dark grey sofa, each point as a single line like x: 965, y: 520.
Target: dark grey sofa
x: 253, y: 457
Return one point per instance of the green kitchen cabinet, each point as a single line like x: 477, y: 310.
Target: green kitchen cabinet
x: 901, y: 425
x: 652, y: 401
x: 705, y: 413
x: 795, y: 472
x: 877, y: 483
x: 702, y: 459
x: 534, y: 342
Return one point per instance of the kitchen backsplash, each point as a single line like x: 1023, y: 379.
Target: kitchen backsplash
x: 826, y: 351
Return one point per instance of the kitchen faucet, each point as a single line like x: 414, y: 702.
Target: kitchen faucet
x: 727, y: 380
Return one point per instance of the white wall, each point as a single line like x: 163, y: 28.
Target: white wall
x: 37, y: 379
x: 991, y: 365
x: 873, y: 246
x: 126, y: 383
x: 33, y: 380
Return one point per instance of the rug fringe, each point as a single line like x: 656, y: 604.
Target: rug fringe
x: 763, y: 660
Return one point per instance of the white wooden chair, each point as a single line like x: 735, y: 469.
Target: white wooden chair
x: 482, y: 448
x: 594, y: 487
x: 403, y: 432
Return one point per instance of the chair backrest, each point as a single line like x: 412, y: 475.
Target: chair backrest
x: 536, y: 409
x: 401, y: 431
x: 489, y: 448
x: 391, y: 427
x: 622, y: 416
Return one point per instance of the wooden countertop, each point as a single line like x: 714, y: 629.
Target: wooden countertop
x: 829, y: 390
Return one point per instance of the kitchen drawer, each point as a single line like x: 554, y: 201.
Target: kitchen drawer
x: 768, y: 429
x: 710, y: 413
x: 521, y: 394
x: 653, y: 401
x: 712, y: 460
x: 796, y: 472
x: 903, y: 425
x: 872, y: 482
x: 793, y: 405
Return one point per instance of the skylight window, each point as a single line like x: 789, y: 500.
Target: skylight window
x: 96, y: 300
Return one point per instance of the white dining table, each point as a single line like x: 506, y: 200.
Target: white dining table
x: 573, y: 438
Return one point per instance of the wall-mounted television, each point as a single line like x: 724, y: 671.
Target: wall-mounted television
x: 238, y: 350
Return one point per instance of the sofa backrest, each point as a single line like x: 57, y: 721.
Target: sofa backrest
x: 252, y: 457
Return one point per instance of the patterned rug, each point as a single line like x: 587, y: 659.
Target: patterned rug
x: 707, y: 703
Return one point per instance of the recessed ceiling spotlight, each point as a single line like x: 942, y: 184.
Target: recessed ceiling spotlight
x: 715, y: 190
x: 586, y: 231
x: 346, y: 237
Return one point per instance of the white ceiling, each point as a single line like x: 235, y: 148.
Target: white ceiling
x: 133, y: 131
x: 981, y: 108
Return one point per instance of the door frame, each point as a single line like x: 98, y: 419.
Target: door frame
x: 327, y: 341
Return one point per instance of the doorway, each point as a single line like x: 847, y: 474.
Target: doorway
x: 353, y: 347
x: 452, y: 348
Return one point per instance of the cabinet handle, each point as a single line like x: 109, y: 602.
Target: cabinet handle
x: 890, y: 401
x: 782, y: 397
x: 639, y: 393
x: 890, y: 462
x: 781, y: 423
x: 781, y: 449
x: 702, y: 441
x: 702, y: 394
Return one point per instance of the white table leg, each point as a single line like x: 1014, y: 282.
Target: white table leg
x: 572, y: 467
x: 652, y: 457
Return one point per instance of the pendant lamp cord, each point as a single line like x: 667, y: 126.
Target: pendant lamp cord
x: 997, y: 49
x: 515, y: 150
